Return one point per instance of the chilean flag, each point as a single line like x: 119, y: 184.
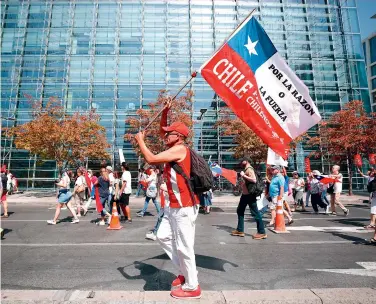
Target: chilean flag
x: 254, y: 80
x: 230, y: 175
x: 326, y: 180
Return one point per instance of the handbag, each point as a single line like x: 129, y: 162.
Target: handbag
x: 330, y: 189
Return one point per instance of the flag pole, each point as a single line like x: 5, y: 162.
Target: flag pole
x: 193, y: 75
x: 228, y: 38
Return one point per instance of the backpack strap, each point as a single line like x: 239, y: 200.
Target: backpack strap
x: 178, y: 169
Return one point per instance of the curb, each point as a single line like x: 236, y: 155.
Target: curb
x: 286, y: 296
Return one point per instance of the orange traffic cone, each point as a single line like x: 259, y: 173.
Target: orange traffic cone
x: 115, y: 221
x: 279, y: 225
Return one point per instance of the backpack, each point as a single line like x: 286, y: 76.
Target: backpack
x: 256, y: 188
x: 201, y: 179
x: 371, y: 187
x: 4, y: 181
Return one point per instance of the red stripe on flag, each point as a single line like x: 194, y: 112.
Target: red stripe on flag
x: 248, y: 105
x: 88, y: 181
x: 98, y: 200
x: 230, y: 175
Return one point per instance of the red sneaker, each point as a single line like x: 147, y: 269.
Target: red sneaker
x: 186, y: 294
x: 180, y: 280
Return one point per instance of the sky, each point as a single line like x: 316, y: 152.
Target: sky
x: 366, y: 9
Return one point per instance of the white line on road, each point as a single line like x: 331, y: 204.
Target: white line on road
x: 368, y: 271
x: 316, y: 242
x: 353, y: 229
x: 79, y: 244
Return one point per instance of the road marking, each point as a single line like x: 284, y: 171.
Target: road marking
x: 353, y: 229
x: 79, y: 244
x: 369, y: 270
x: 222, y: 243
x: 317, y: 242
x: 81, y: 220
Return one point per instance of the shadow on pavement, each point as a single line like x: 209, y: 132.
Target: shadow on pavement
x: 227, y: 229
x: 357, y: 221
x: 203, y: 261
x: 355, y: 239
x: 4, y: 232
x: 155, y: 279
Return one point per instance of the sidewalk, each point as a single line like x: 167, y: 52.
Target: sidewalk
x: 219, y: 200
x: 285, y: 296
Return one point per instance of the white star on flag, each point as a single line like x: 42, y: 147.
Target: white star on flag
x: 251, y: 47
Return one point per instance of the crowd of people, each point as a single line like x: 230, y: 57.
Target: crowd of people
x: 8, y: 185
x: 178, y: 206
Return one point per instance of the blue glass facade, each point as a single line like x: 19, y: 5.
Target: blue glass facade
x: 116, y: 55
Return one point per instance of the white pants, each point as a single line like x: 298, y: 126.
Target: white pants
x: 176, y: 234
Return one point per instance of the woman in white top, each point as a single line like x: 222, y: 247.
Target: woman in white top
x: 79, y: 192
x: 151, y: 191
x: 64, y: 197
x: 299, y: 191
x: 337, y: 189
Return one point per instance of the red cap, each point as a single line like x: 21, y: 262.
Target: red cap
x: 178, y: 127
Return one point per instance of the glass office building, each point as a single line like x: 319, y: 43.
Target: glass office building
x: 369, y: 48
x: 115, y: 56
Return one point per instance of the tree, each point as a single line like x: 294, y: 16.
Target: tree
x: 344, y: 134
x: 181, y: 111
x: 248, y: 144
x: 52, y: 134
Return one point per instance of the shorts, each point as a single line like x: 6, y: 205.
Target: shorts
x: 285, y: 195
x: 373, y: 204
x: 64, y: 196
x: 299, y: 197
x: 124, y: 199
x: 4, y: 195
x: 273, y: 203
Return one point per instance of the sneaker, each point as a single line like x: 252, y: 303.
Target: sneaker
x: 327, y: 210
x: 180, y: 280
x: 259, y: 236
x: 101, y: 223
x: 186, y: 294
x: 130, y: 221
x: 333, y: 214
x: 75, y: 221
x: 140, y: 214
x: 347, y: 211
x: 151, y: 236
x: 51, y: 222
x: 237, y: 233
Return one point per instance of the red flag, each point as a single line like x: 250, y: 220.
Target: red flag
x: 98, y: 200
x: 88, y: 181
x: 372, y: 159
x: 230, y: 175
x: 358, y: 160
x: 253, y: 79
x: 307, y: 165
x: 327, y: 180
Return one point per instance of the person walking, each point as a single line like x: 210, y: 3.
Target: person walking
x: 103, y: 184
x: 111, y: 180
x: 165, y: 203
x: 126, y: 191
x: 337, y: 189
x: 64, y: 196
x: 4, y: 191
x: 286, y: 190
x: 91, y: 192
x: 299, y: 191
x: 151, y: 191
x: 176, y: 233
x: 316, y: 189
x: 206, y: 201
x: 248, y: 199
x: 371, y: 187
x: 308, y: 193
x: 79, y: 192
x: 140, y: 179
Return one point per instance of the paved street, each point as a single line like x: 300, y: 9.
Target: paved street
x: 320, y: 252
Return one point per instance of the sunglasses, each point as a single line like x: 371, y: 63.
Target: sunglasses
x: 168, y: 134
